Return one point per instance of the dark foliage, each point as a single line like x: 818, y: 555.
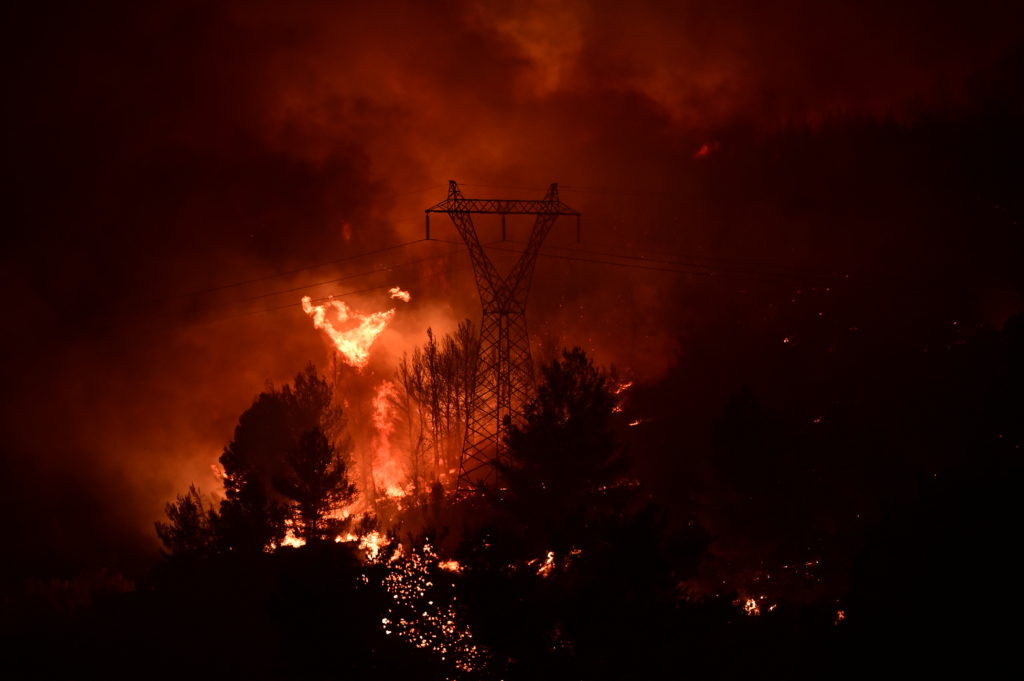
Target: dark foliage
x: 269, y: 453
x: 316, y: 482
x: 191, y: 527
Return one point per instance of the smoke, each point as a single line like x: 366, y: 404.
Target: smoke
x: 169, y: 160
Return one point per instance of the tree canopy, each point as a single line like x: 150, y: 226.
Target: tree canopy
x: 283, y: 442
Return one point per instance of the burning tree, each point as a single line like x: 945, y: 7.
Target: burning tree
x: 435, y: 399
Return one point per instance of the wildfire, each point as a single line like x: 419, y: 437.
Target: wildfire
x: 372, y: 543
x: 548, y: 565
x: 387, y: 465
x: 425, y: 615
x: 291, y: 540
x: 398, y: 293
x: 352, y: 333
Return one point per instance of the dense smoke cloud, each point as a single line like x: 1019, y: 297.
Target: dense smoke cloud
x: 159, y: 150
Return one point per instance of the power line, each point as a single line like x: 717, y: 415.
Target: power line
x: 712, y: 265
x: 382, y: 268
x: 303, y: 269
x: 702, y: 270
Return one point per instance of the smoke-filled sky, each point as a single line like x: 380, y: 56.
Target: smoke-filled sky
x: 176, y: 170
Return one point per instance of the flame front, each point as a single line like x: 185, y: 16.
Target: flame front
x: 387, y: 466
x: 353, y: 343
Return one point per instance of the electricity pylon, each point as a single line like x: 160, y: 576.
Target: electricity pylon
x: 504, y: 373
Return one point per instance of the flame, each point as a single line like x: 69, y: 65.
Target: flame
x: 353, y: 344
x: 450, y: 566
x: 751, y: 607
x: 291, y: 540
x: 426, y: 617
x: 387, y: 463
x: 619, y: 389
x: 398, y: 293
x: 372, y: 543
x: 548, y: 565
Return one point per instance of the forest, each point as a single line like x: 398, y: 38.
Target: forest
x: 569, y: 562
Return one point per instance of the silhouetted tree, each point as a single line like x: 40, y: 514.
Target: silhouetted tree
x: 574, y: 546
x: 254, y: 512
x: 317, y: 482
x: 565, y: 455
x: 436, y: 395
x: 191, y: 527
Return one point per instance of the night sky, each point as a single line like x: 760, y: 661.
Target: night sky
x: 800, y: 189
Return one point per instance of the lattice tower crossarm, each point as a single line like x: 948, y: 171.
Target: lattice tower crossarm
x: 504, y: 374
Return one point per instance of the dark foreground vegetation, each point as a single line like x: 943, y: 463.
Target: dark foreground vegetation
x: 567, y: 566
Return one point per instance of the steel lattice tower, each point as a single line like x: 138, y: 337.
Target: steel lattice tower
x: 504, y: 373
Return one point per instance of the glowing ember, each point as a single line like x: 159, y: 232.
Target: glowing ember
x: 425, y: 615
x: 372, y: 543
x: 450, y: 566
x: 548, y: 565
x: 398, y: 293
x: 353, y: 343
x: 840, y: 616
x: 751, y: 607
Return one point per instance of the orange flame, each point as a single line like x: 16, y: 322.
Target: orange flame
x: 387, y: 464
x: 398, y: 293
x: 353, y: 343
x: 548, y: 565
x: 291, y: 540
x: 372, y: 543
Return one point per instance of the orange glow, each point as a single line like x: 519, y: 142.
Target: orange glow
x: 548, y: 565
x: 751, y: 607
x: 372, y: 543
x: 450, y: 566
x: 706, y: 150
x: 354, y: 342
x: 291, y: 540
x: 399, y: 294
x: 388, y: 470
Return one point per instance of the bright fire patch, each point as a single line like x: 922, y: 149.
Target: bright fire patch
x: 352, y: 333
x: 399, y: 294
